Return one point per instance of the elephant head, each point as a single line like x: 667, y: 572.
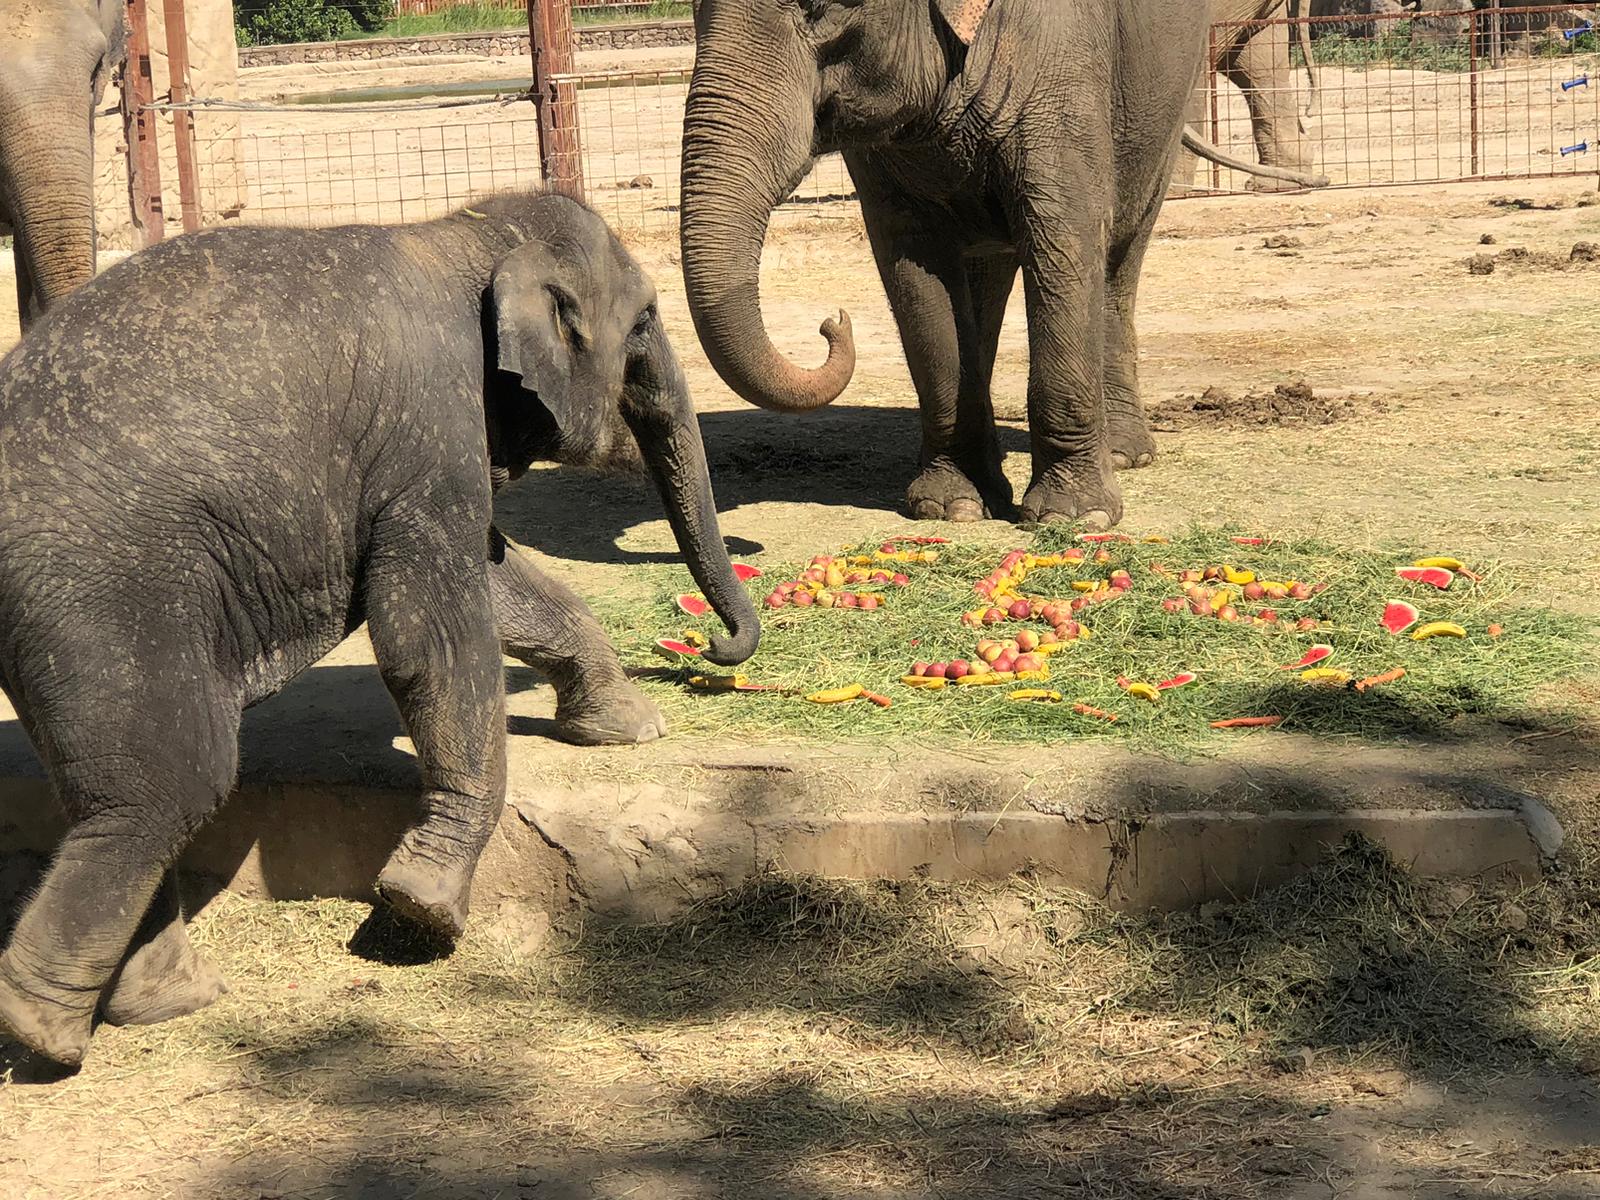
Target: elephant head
x: 55, y: 59
x: 581, y: 372
x: 777, y: 83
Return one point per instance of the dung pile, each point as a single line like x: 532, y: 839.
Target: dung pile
x: 1286, y: 404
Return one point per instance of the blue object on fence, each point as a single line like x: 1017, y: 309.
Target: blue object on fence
x: 1580, y: 81
x: 1580, y: 148
x: 1586, y: 27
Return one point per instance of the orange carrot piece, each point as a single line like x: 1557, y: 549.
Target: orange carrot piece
x: 1496, y: 630
x: 1248, y: 723
x: 1374, y: 680
x: 1085, y: 710
x: 880, y: 701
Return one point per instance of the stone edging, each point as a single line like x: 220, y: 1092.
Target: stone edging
x: 628, y: 36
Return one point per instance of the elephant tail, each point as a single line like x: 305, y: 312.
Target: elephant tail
x: 1196, y: 144
x: 1302, y: 33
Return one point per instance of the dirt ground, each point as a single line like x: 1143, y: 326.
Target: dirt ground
x: 580, y: 1065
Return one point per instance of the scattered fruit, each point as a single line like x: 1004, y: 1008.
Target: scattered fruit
x: 1182, y: 679
x: 1251, y: 541
x: 745, y: 572
x: 1398, y: 616
x: 880, y: 701
x: 1310, y: 658
x: 1437, y: 577
x: 1372, y: 681
x: 695, y: 606
x: 1247, y: 723
x: 839, y: 695
x: 1143, y: 691
x: 1325, y: 677
x: 1238, y: 578
x: 1495, y: 631
x: 1449, y: 564
x: 922, y: 681
x: 776, y: 600
x: 1036, y: 695
x: 674, y: 649
x: 1435, y: 629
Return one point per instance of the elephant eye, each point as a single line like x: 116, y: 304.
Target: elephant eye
x: 646, y: 319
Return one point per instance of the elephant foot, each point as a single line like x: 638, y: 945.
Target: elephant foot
x: 430, y: 896
x: 615, y: 713
x: 1086, y: 496
x: 1130, y: 441
x: 165, y: 979
x: 56, y: 1031
x: 947, y: 492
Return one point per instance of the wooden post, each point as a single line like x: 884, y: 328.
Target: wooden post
x: 182, y: 120
x: 139, y: 131
x: 556, y: 104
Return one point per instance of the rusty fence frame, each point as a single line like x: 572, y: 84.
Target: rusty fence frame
x: 1484, y: 39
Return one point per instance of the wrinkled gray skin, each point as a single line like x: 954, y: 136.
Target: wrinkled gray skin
x: 1027, y: 135
x: 55, y: 59
x: 200, y: 497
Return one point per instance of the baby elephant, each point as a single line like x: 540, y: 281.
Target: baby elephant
x: 221, y: 457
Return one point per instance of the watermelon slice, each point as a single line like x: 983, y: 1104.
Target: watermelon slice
x: 744, y: 571
x: 1250, y: 541
x: 1177, y: 681
x: 1311, y: 658
x: 1398, y: 616
x: 674, y: 649
x: 1433, y: 576
x: 695, y: 606
x: 1097, y: 538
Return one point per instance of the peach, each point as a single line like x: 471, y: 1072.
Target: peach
x: 1027, y: 640
x: 1021, y: 610
x: 958, y: 669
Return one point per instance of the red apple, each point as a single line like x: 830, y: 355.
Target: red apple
x: 994, y: 616
x: 1254, y: 591
x: 919, y: 668
x: 1268, y: 614
x: 1028, y: 662
x: 1300, y: 591
x: 1173, y: 604
x: 868, y: 602
x: 1227, y: 613
x: 1201, y: 608
x: 1305, y: 624
x: 900, y: 580
x: 938, y: 670
x: 776, y: 600
x: 1027, y: 640
x: 847, y: 600
x: 1021, y: 610
x: 1006, y: 662
x: 958, y: 669
x: 803, y: 599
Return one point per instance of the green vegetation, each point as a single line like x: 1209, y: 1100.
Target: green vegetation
x: 275, y: 22
x: 1396, y: 46
x: 1509, y: 678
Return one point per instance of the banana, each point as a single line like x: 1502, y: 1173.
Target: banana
x: 718, y: 683
x: 989, y: 680
x: 1327, y: 676
x: 1144, y: 691
x: 839, y: 695
x: 1040, y: 694
x: 931, y: 683
x: 1238, y: 578
x: 1438, y: 629
x: 1449, y: 564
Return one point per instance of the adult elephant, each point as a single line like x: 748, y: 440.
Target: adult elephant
x: 984, y: 137
x: 55, y: 58
x: 1256, y: 59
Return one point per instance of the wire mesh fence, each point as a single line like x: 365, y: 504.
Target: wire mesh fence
x: 1404, y: 99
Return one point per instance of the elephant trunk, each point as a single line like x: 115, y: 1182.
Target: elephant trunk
x: 48, y: 148
x: 740, y: 161
x: 661, y: 416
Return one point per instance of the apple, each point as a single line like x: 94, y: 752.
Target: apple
x: 938, y: 670
x: 1029, y: 662
x: 994, y: 616
x: 1275, y: 591
x: 803, y: 599
x: 1027, y: 640
x: 958, y: 669
x: 868, y: 602
x: 776, y: 600
x: 989, y: 651
x: 1300, y: 591
x: 1006, y: 662
x: 1227, y: 613
x: 919, y: 668
x: 1173, y: 604
x: 1306, y: 624
x: 826, y: 599
x: 900, y: 580
x: 1254, y: 591
x: 1021, y: 610
x: 1201, y: 608
x: 1048, y: 638
x: 847, y: 600
x: 1268, y: 614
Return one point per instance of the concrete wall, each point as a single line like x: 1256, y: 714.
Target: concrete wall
x: 641, y: 36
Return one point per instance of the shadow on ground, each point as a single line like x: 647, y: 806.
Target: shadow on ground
x: 841, y: 456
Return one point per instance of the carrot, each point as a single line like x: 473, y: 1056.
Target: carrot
x: 1374, y: 680
x: 1248, y: 723
x: 1085, y: 710
x: 880, y: 701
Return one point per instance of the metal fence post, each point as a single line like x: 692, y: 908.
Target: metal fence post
x: 1211, y: 94
x: 1496, y: 42
x: 182, y: 120
x: 1472, y: 84
x: 550, y: 41
x: 139, y: 132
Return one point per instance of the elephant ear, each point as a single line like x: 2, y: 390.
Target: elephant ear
x: 538, y: 328
x: 964, y: 16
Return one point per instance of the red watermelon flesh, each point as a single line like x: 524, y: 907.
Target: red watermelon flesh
x: 744, y: 571
x: 1434, y: 576
x: 1178, y: 680
x: 1310, y: 659
x: 1398, y: 616
x: 695, y: 606
x: 1250, y: 541
x: 672, y: 648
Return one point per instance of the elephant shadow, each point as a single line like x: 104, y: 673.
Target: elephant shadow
x: 849, y: 457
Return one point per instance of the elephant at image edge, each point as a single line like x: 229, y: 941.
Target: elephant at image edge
x: 1258, y: 62
x: 984, y: 137
x: 235, y: 448
x: 55, y: 59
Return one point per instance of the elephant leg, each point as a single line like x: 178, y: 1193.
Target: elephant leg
x: 164, y: 976
x: 1128, y: 433
x: 134, y: 798
x: 543, y: 623
x: 432, y: 627
x: 1064, y: 277
x: 930, y: 291
x: 1262, y: 70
